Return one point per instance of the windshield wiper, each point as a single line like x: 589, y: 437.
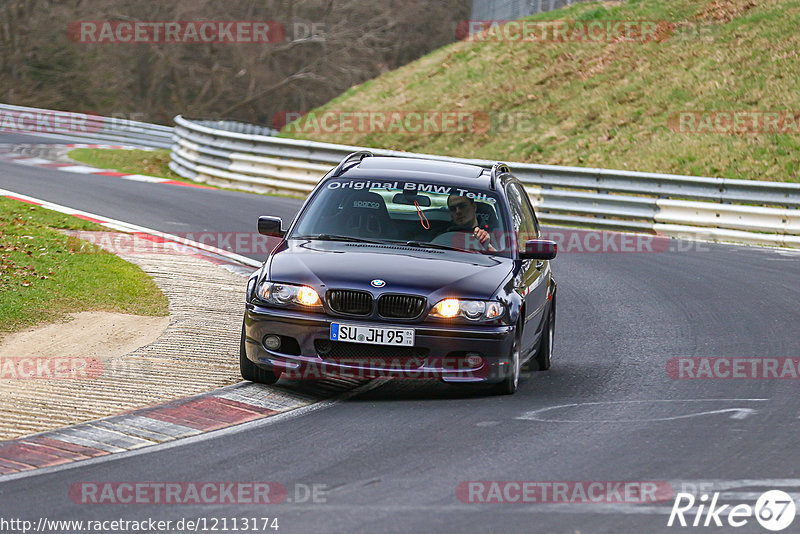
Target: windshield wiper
x: 332, y: 237
x: 426, y: 244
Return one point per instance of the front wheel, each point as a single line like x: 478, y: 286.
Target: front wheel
x: 251, y: 371
x: 510, y: 383
x: 545, y: 353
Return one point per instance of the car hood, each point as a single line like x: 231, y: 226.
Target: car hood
x: 428, y: 272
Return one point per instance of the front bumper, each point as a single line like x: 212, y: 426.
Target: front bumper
x: 440, y: 351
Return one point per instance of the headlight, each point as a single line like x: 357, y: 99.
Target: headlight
x: 287, y: 294
x: 474, y: 310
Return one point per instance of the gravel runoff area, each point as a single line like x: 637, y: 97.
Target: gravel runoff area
x: 197, y: 352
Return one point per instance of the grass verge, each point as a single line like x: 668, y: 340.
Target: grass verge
x: 147, y: 162
x: 45, y: 274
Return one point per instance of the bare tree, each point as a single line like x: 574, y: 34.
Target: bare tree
x: 330, y: 45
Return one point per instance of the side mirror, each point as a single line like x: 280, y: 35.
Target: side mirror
x: 539, y: 249
x: 270, y: 226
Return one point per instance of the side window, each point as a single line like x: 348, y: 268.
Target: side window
x: 515, y: 210
x: 522, y: 217
x: 530, y: 216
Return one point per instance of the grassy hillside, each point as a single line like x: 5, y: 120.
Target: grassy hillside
x: 606, y: 104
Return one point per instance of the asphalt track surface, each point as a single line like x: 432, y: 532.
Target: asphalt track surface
x: 392, y: 458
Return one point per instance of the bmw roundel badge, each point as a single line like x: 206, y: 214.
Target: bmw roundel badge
x: 378, y: 283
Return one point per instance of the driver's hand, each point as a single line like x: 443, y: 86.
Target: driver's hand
x: 484, y: 238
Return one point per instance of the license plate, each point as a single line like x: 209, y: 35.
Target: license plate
x: 403, y: 337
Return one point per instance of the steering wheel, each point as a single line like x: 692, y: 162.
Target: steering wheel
x: 459, y: 237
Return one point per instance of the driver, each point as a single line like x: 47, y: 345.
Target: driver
x: 463, y: 212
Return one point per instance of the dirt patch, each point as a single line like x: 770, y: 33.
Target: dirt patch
x: 107, y: 366
x: 724, y: 10
x: 99, y: 335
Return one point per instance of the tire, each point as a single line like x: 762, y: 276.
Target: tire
x: 544, y: 354
x: 251, y: 371
x: 510, y: 383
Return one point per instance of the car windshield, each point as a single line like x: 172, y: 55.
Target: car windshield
x: 418, y: 214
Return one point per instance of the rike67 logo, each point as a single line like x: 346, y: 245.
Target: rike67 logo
x: 774, y: 510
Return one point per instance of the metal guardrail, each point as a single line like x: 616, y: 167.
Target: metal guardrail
x: 250, y: 157
x: 514, y: 9
x: 66, y: 125
x: 607, y: 199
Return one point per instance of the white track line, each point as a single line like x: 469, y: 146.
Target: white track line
x: 128, y: 227
x: 266, y: 421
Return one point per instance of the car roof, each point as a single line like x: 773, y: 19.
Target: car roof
x: 443, y: 172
